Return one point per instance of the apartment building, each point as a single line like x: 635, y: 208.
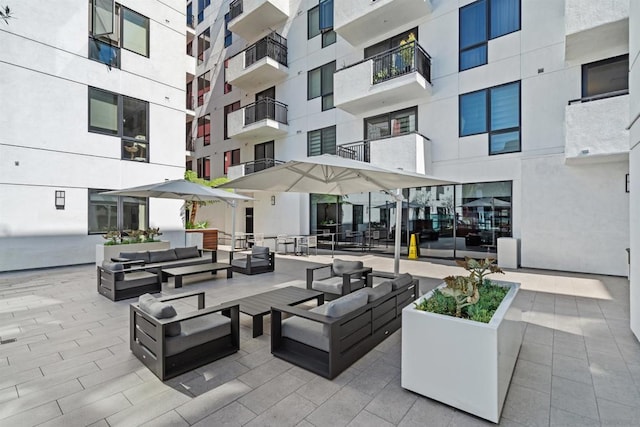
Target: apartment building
x: 525, y: 103
x: 92, y: 99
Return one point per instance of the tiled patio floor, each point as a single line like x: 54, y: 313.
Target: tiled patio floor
x: 579, y: 364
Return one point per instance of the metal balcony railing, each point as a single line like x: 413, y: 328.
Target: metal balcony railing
x: 263, y: 109
x: 260, y: 164
x: 401, y: 60
x: 235, y: 9
x: 355, y: 151
x: 274, y: 46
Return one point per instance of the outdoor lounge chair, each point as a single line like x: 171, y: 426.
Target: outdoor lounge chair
x: 118, y: 281
x: 170, y: 344
x: 339, y: 278
x: 260, y: 260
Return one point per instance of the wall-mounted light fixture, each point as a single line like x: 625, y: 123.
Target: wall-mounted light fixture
x: 273, y: 200
x: 627, y: 184
x: 59, y: 199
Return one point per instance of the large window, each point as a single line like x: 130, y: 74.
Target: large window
x: 108, y: 213
x: 231, y: 158
x: 228, y: 35
x: 135, y: 32
x: 204, y: 168
x: 482, y: 21
x: 204, y: 42
x: 391, y: 124
x: 202, y: 5
x: 228, y: 109
x: 227, y: 86
x: 122, y: 116
x: 321, y: 141
x: 495, y: 111
x: 320, y: 83
x: 204, y: 129
x: 204, y: 85
x: 320, y: 21
x: 609, y: 77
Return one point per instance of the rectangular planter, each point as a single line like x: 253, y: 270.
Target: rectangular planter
x: 107, y: 252
x: 462, y: 363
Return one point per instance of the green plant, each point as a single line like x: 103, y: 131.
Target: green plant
x: 151, y: 233
x: 113, y: 238
x: 473, y: 297
x: 407, y: 50
x: 198, y: 225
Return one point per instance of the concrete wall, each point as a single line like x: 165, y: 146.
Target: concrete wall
x: 45, y: 145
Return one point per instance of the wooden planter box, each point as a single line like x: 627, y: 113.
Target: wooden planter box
x: 107, y: 252
x: 462, y: 363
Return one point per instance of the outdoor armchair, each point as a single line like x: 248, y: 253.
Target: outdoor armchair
x: 170, y: 344
x: 260, y: 260
x: 118, y: 281
x: 339, y: 278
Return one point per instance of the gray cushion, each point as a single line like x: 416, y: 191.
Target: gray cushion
x: 305, y: 331
x: 136, y: 256
x: 255, y: 262
x: 189, y: 252
x: 260, y: 252
x: 116, y: 268
x: 402, y: 280
x: 135, y: 279
x: 160, y: 310
x: 333, y: 285
x: 196, y: 331
x: 379, y: 291
x: 162, y: 255
x: 346, y: 304
x: 341, y: 266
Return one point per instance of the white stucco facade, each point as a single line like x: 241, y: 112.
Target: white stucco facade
x: 45, y: 145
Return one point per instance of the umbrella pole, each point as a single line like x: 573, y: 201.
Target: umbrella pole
x: 398, y: 234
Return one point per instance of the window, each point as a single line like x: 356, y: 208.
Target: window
x: 190, y: 20
x: 231, y: 158
x: 320, y: 21
x: 188, y: 165
x: 104, y: 27
x: 320, y: 83
x: 204, y: 85
x: 495, y: 110
x: 204, y: 129
x: 228, y: 35
x: 190, y: 96
x: 120, y: 115
x: 482, y: 21
x: 135, y: 32
x: 204, y: 168
x: 609, y: 77
x: 204, y: 42
x: 107, y: 213
x: 390, y: 43
x: 227, y: 86
x: 229, y: 109
x: 391, y: 124
x: 202, y: 5
x: 321, y: 141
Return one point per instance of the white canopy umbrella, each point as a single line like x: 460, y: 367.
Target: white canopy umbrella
x: 182, y: 189
x: 330, y: 174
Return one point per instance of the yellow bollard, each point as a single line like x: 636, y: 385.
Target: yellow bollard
x: 413, y: 248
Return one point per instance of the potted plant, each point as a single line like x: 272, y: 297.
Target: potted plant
x: 450, y: 357
x: 135, y: 240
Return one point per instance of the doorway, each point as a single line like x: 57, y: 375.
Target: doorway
x: 248, y: 220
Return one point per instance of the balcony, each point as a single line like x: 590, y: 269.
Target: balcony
x: 397, y: 75
x: 359, y: 21
x: 411, y: 152
x: 260, y: 65
x: 251, y: 18
x: 243, y: 169
x: 596, y: 130
x: 594, y: 26
x: 263, y: 120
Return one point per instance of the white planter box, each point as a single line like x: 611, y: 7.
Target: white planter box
x: 462, y: 363
x: 107, y: 252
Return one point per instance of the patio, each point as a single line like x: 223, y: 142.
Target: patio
x: 579, y: 364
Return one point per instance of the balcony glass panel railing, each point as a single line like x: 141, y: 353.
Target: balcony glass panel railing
x: 260, y: 164
x: 405, y: 59
x: 263, y: 109
x: 104, y: 52
x: 235, y: 9
x: 274, y: 46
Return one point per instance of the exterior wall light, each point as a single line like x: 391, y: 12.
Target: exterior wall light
x: 60, y: 199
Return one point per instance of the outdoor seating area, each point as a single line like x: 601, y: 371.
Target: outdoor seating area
x: 338, y: 278
x: 71, y: 357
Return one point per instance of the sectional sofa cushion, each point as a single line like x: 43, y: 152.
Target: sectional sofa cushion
x: 188, y: 252
x: 116, y: 268
x: 196, y: 331
x: 379, y: 291
x: 162, y: 255
x: 341, y: 266
x: 160, y: 310
x: 402, y: 280
x: 331, y: 285
x: 255, y: 262
x: 305, y: 331
x: 260, y: 252
x: 346, y: 304
x: 136, y: 256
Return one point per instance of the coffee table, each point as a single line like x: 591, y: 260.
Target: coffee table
x: 213, y: 267
x: 259, y: 305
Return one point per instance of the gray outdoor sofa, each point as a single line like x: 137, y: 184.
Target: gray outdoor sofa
x: 155, y: 261
x: 170, y: 344
x: 328, y: 339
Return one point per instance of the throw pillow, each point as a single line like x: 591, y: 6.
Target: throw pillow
x: 346, y: 304
x: 379, y: 291
x: 189, y: 252
x: 136, y: 256
x: 341, y: 266
x: 260, y: 252
x: 402, y: 280
x: 160, y: 310
x: 162, y: 255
